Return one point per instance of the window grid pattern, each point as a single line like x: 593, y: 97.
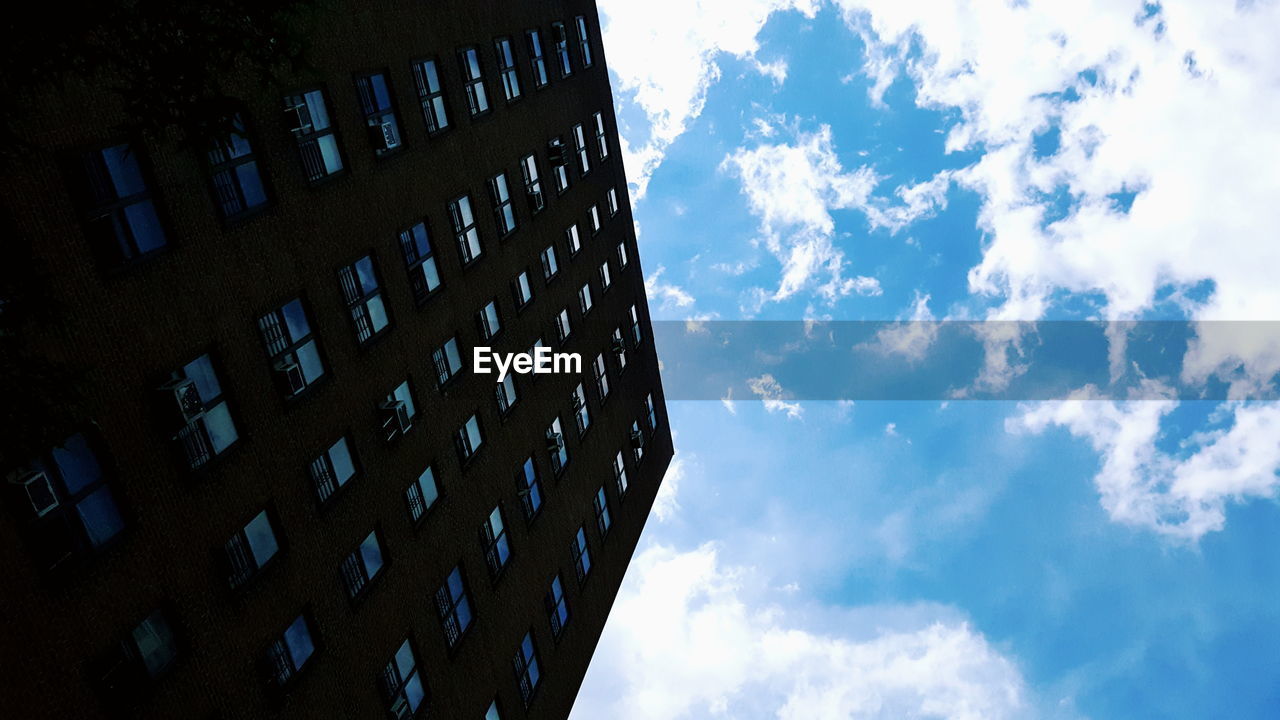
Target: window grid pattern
x: 420, y: 261
x: 237, y: 181
x: 435, y: 113
x: 473, y: 81
x: 317, y: 142
x: 464, y: 228
x: 507, y: 69
x: 454, y: 607
x: 374, y: 92
x: 363, y: 295
x: 122, y: 222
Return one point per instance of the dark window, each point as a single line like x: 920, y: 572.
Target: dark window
x: 69, y: 502
x: 362, y: 565
x: 237, y: 180
x: 532, y: 183
x: 363, y: 295
x: 146, y: 653
x: 198, y: 412
x: 426, y: 76
x: 464, y: 228
x: 473, y: 80
x: 507, y: 68
x: 334, y: 468
x: 401, y: 683
x: 295, y: 356
x: 557, y: 607
x: 122, y: 222
x: 493, y: 539
x: 526, y: 667
x: 537, y: 59
x: 581, y: 554
x: 454, y: 607
x: 580, y: 147
x: 561, y: 39
x: 529, y: 488
x: 379, y: 112
x: 447, y: 360
x: 308, y: 120
x: 602, y: 140
x: 555, y: 446
x: 603, y: 521
x: 584, y: 40
x: 504, y: 213
x: 250, y: 549
x: 420, y: 260
x: 422, y: 494
x: 468, y: 439
x: 581, y: 415
x: 288, y: 653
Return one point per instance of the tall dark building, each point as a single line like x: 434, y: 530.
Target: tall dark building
x: 282, y: 490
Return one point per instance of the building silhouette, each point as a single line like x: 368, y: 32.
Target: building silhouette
x: 283, y: 491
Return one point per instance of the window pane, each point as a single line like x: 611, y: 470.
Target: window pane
x: 405, y: 661
x: 309, y: 359
x: 414, y: 691
x: 427, y: 483
x: 340, y: 456
x: 122, y: 166
x: 100, y: 515
x: 329, y: 152
x: 377, y: 313
x: 145, y: 224
x: 262, y: 539
x: 251, y: 184
x: 371, y: 551
x: 77, y: 463
x: 154, y: 641
x: 295, y: 318
x: 222, y: 431
x: 298, y: 639
x: 201, y: 370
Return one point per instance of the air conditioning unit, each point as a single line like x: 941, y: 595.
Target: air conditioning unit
x: 395, y: 418
x: 557, y: 152
x: 181, y: 397
x: 384, y: 135
x: 577, y: 401
x: 289, y: 375
x: 555, y: 442
x: 618, y: 346
x: 39, y: 490
x: 637, y: 439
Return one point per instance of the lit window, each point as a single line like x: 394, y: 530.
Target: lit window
x: 363, y: 295
x: 295, y: 356
x: 550, y: 267
x: 507, y: 68
x: 420, y: 261
x: 68, y: 502
x: 250, y: 549
x: 431, y: 95
x: 493, y: 537
x: 581, y: 554
x: 584, y: 41
x: 454, y: 607
x: 622, y: 255
x: 237, y: 180
x: 601, y: 374
x: 522, y: 290
x: 464, y: 228
x: 561, y: 39
x: 401, y: 683
x: 557, y: 607
x: 529, y: 488
x: 651, y: 412
x: 488, y: 320
x: 606, y: 279
x: 504, y: 213
x: 581, y: 415
x: 290, y: 652
x: 362, y: 565
x: 612, y: 198
x: 563, y: 328
x: 603, y: 521
x: 333, y: 469
x: 473, y: 79
x: 556, y: 447
x: 593, y: 213
x: 526, y: 667
x: 468, y: 439
x: 602, y: 141
x: 308, y: 120
x: 537, y: 59
x: 397, y: 411
x: 199, y: 412
x: 580, y: 147
x: 532, y: 184
x: 447, y: 360
x: 620, y: 474
x: 121, y: 218
x: 619, y: 348
x: 575, y: 242
x: 379, y: 114
x: 506, y: 393
x: 584, y: 298
x: 422, y: 494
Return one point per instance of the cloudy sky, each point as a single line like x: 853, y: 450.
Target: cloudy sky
x: 964, y: 160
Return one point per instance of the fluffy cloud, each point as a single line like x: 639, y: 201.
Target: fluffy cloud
x: 670, y: 295
x: 691, y: 638
x: 772, y: 394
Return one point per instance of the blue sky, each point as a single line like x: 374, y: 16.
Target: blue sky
x: 965, y: 160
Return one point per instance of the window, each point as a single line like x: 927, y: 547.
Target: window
x: 603, y: 521
x: 619, y: 348
x: 606, y: 279
x: 473, y: 79
x: 650, y: 411
x: 71, y: 506
x: 581, y: 554
x: 397, y: 411
x: 447, y: 361
x: 493, y: 539
x: 295, y: 356
x: 121, y: 219
x: 582, y: 416
x: 529, y: 488
x: 537, y: 59
x: 557, y: 155
x: 601, y: 375
x: 584, y: 298
x: 507, y: 69
x: 561, y: 40
x: 492, y: 713
x: 204, y: 425
x: 506, y: 393
x: 593, y: 213
x: 431, y: 95
x: 454, y: 607
x: 555, y: 447
x: 526, y: 666
x: 237, y: 181
x: 362, y: 565
x: 464, y: 228
x: 468, y: 439
x: 363, y: 295
x: 290, y: 652
x: 563, y: 329
x: 503, y: 213
x: 580, y: 147
x: 549, y: 265
x: 575, y: 241
x: 422, y: 494
x: 637, y: 441
x: 620, y: 474
x: 636, y: 336
x: 333, y: 469
x: 379, y: 113
x: 402, y: 683
x: 488, y: 320
x: 420, y: 261
x: 308, y: 119
x: 612, y: 198
x: 622, y: 255
x: 250, y: 549
x: 532, y: 185
x: 584, y: 40
x: 522, y: 290
x: 557, y: 607
x: 602, y: 141
x: 146, y: 653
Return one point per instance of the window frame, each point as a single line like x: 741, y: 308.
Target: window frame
x: 356, y: 298
x: 228, y: 166
x: 464, y: 234
x: 447, y: 604
x: 242, y: 563
x: 559, y: 457
x: 421, y: 501
x: 557, y: 604
x: 193, y: 436
x: 584, y: 41
x: 474, y: 85
x: 602, y: 138
x: 393, y: 681
x: 560, y: 45
x: 508, y: 68
x: 579, y: 134
x: 355, y: 561
x: 275, y: 323
x: 313, y: 138
x: 375, y: 117
x: 416, y: 263
x: 581, y: 551
x: 280, y: 658
x: 462, y: 440
x: 604, y: 521
x: 527, y: 668
x: 431, y: 110
x: 441, y: 353
x: 529, y: 488
x: 325, y: 458
x: 532, y: 180
x: 495, y: 543
x: 93, y: 209
x: 504, y: 210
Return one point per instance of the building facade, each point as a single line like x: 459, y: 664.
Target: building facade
x: 285, y: 492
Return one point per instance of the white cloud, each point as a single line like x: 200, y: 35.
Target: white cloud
x: 772, y: 394
x: 728, y: 402
x: 775, y: 71
x: 891, y: 430
x: 691, y: 638
x: 670, y: 295
x: 666, y: 503
x: 909, y: 340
